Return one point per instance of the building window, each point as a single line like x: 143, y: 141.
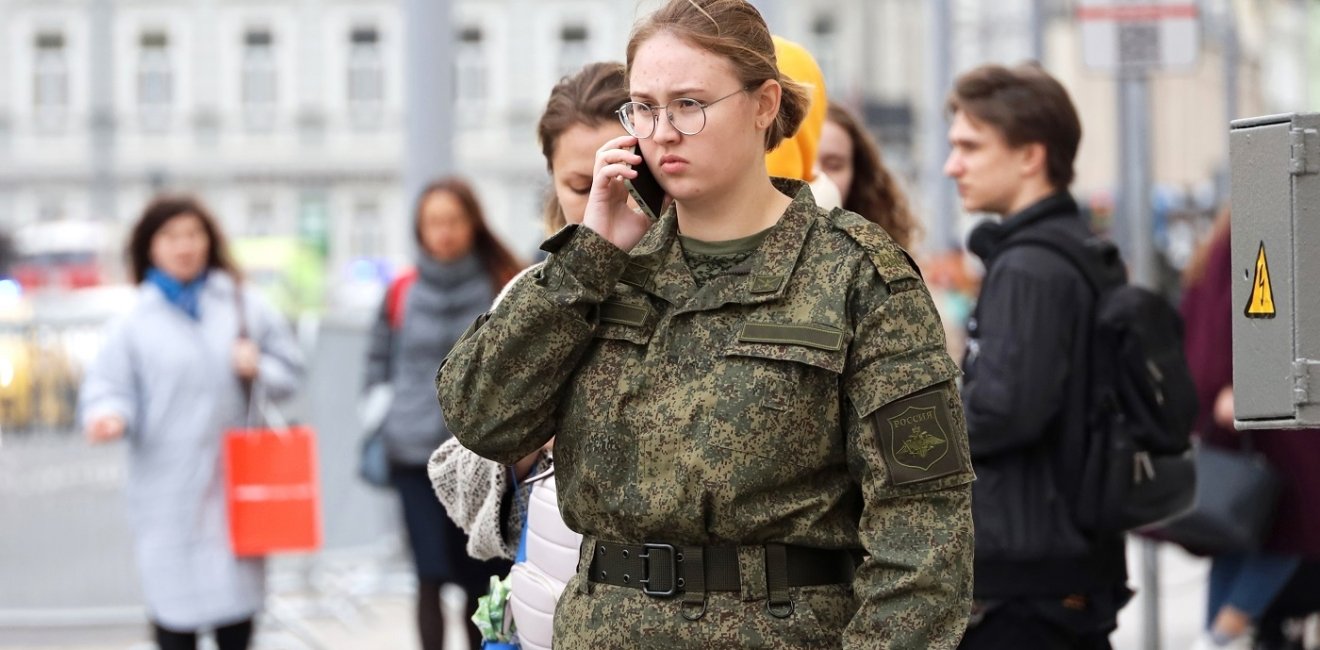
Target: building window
x: 470, y: 76
x: 7, y: 223
x: 825, y: 47
x: 155, y: 81
x: 314, y: 221
x: 574, y: 49
x: 50, y: 209
x: 6, y: 133
x: 260, y: 91
x: 364, y: 235
x: 50, y: 77
x: 366, y: 78
x: 260, y: 218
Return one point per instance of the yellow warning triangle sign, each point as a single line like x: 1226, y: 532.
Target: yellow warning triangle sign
x: 1261, y: 304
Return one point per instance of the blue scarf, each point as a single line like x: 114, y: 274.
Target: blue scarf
x: 183, y: 295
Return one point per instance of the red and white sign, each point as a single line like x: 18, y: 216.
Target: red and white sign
x: 1139, y: 35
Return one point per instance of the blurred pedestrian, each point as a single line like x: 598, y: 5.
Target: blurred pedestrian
x: 747, y: 396
x: 460, y: 266
x: 1041, y: 581
x: 795, y: 157
x: 476, y: 492
x: 170, y: 378
x: 1244, y: 585
x: 851, y: 158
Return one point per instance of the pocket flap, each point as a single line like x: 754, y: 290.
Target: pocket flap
x: 821, y: 337
x: 815, y: 345
x: 623, y: 313
x: 627, y: 321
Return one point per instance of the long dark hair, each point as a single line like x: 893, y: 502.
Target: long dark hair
x: 589, y: 97
x: 500, y: 264
x: 874, y: 193
x: 158, y: 212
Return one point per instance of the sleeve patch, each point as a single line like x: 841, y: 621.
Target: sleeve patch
x: 916, y: 438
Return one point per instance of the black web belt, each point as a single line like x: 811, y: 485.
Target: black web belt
x: 665, y: 570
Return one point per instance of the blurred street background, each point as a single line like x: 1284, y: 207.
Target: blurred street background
x: 310, y: 125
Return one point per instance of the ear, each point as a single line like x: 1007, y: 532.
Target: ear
x: 767, y: 103
x: 1033, y: 157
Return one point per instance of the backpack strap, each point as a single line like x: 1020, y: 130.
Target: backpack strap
x: 395, y: 296
x: 1096, y: 259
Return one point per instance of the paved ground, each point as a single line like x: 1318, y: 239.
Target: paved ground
x: 386, y: 622
x: 1181, y: 585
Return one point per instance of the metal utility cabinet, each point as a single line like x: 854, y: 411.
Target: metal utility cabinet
x: 1276, y: 271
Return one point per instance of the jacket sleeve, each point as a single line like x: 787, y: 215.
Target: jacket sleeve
x: 1022, y: 357
x: 907, y: 448
x: 472, y: 490
x: 280, y: 370
x: 378, y: 347
x: 500, y: 385
x: 110, y: 385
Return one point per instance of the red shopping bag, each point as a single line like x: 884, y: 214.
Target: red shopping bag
x: 272, y: 490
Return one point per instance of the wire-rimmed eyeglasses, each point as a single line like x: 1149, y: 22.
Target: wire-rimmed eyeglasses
x: 686, y: 115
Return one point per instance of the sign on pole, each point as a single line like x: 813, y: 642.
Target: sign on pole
x: 1139, y: 35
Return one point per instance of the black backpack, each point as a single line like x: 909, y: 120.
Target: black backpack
x: 1137, y: 467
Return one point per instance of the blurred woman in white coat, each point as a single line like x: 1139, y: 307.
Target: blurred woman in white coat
x: 170, y: 379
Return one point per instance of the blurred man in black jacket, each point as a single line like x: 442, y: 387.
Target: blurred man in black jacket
x: 1040, y: 581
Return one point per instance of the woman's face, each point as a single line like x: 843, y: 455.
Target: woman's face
x: 835, y: 157
x: 573, y: 162
x: 446, y: 229
x: 691, y: 167
x: 180, y: 248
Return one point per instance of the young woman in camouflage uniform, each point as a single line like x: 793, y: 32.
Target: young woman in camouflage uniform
x: 758, y: 431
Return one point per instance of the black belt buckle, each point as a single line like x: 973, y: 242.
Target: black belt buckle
x: 645, y: 557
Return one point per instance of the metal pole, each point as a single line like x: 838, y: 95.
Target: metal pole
x: 1228, y: 38
x: 935, y: 188
x: 1231, y: 55
x: 1150, y: 586
x: 1133, y: 232
x: 865, y: 91
x: 101, y: 49
x: 1310, y: 16
x: 1036, y: 23
x: 429, y: 94
x: 1133, y: 223
x: 1313, y: 43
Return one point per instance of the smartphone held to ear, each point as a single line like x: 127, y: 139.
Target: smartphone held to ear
x: 646, y: 190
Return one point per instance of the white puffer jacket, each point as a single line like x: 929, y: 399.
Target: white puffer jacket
x: 472, y: 490
x: 552, y: 554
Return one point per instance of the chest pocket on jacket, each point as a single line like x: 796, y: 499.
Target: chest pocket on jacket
x: 610, y: 365
x: 591, y: 414
x: 777, y: 392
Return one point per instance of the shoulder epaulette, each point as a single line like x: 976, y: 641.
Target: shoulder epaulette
x: 898, y: 270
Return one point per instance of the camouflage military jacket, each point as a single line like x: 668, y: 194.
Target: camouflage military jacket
x: 806, y: 398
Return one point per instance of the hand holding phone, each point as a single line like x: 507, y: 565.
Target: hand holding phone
x: 607, y: 207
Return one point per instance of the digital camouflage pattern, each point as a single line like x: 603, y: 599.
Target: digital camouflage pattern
x: 705, y: 268
x: 762, y: 407
x: 707, y: 261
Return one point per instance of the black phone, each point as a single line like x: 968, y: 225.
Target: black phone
x: 646, y: 190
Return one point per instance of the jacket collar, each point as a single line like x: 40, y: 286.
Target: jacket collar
x: 988, y: 238
x: 657, y: 265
